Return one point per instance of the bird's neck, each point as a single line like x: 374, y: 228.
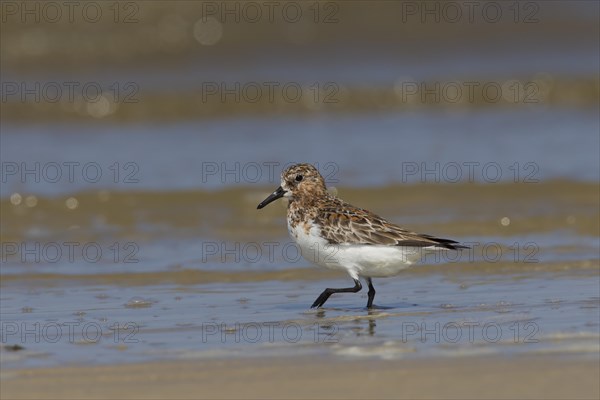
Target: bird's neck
x: 309, y: 202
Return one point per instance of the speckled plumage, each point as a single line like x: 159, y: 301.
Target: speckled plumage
x: 334, y: 234
x: 343, y: 223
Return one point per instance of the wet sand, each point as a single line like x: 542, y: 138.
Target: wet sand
x: 497, y: 378
x: 536, y: 291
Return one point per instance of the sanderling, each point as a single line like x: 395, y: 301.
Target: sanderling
x: 334, y: 234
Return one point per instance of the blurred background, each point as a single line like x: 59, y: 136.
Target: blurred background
x: 234, y: 82
x: 146, y: 132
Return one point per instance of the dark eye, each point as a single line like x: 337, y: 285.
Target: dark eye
x: 299, y: 178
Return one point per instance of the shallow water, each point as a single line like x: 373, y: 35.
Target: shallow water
x: 530, y: 283
x: 439, y: 313
x: 484, y: 147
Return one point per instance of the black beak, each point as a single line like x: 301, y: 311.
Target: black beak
x: 277, y: 194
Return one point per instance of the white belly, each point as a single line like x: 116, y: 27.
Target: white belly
x: 358, y: 260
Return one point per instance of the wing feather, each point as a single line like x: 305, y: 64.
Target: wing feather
x: 342, y: 223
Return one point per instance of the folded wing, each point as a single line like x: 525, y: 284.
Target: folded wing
x: 358, y: 226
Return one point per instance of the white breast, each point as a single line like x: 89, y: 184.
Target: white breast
x: 357, y: 260
x: 314, y: 248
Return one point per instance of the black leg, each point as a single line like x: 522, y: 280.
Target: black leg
x: 371, y: 293
x: 328, y: 292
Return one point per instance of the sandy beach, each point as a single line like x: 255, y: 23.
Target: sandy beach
x: 466, y: 378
